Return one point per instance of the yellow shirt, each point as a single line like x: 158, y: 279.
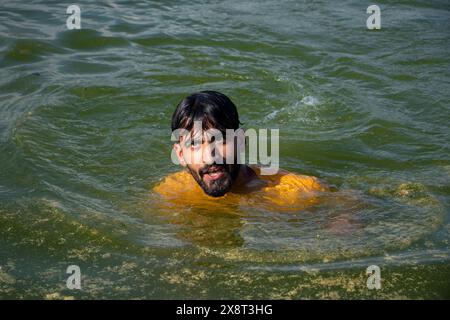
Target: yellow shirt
x: 284, y: 191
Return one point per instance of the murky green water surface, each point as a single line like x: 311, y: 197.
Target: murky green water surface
x: 84, y: 135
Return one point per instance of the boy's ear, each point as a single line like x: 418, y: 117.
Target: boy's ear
x: 179, y: 153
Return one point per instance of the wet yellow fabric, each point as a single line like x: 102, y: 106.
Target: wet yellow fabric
x: 284, y: 191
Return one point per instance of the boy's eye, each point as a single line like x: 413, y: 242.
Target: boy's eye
x: 193, y: 144
x: 217, y: 139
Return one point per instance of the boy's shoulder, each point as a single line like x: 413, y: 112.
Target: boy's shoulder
x: 290, y: 181
x: 175, y: 183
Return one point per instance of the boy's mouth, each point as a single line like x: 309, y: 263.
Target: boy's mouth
x: 214, y: 173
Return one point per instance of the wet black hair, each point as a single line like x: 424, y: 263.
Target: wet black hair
x: 213, y: 108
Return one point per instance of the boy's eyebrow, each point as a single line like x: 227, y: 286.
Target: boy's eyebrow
x: 189, y: 136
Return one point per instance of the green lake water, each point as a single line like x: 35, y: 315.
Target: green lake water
x: 85, y: 135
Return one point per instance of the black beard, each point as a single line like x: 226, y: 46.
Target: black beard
x: 219, y: 187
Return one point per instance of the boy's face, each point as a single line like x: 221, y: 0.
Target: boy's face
x: 200, y: 154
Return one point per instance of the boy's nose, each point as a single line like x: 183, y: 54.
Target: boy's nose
x: 209, y: 153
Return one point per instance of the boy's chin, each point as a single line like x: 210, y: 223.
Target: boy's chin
x: 218, y: 191
x: 216, y: 194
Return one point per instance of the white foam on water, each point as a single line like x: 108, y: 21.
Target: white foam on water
x: 310, y: 101
x: 272, y: 115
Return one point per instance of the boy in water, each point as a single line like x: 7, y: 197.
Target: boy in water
x: 209, y: 182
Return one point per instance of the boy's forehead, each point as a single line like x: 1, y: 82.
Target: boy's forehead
x: 199, y: 134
